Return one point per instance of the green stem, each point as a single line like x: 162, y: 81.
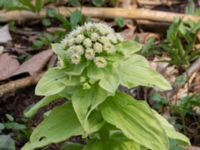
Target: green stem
x: 104, y: 133
x: 184, y: 125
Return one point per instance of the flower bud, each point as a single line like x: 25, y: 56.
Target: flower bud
x: 86, y: 86
x: 89, y: 54
x: 109, y: 48
x: 75, y: 58
x: 79, y: 39
x: 94, y: 36
x: 87, y: 43
x: 100, y: 62
x: 98, y: 48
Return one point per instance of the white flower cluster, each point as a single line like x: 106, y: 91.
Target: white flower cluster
x: 91, y: 42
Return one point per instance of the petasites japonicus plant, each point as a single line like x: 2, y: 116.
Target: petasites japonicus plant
x: 93, y: 62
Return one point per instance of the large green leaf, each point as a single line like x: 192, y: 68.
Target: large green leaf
x: 111, y: 144
x: 136, y: 120
x: 58, y: 126
x: 110, y: 81
x: 128, y: 47
x: 52, y: 82
x: 135, y: 71
x: 84, y: 101
x: 43, y: 102
x: 170, y: 131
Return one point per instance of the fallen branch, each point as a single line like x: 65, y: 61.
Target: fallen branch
x: 19, y: 84
x: 132, y: 13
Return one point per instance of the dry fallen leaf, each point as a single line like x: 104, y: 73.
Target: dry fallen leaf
x: 128, y: 34
x: 35, y: 64
x: 5, y: 34
x: 8, y: 65
x: 193, y: 148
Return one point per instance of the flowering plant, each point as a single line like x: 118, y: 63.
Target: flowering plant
x: 93, y: 62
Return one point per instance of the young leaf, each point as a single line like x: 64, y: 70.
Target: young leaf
x: 136, y: 120
x: 120, y: 21
x: 52, y: 82
x: 38, y: 5
x: 75, y: 18
x: 28, y: 4
x: 74, y: 3
x: 98, y: 3
x: 61, y: 53
x: 58, y: 126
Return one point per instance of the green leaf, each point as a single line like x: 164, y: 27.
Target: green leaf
x: 43, y: 102
x: 6, y: 143
x: 94, y: 73
x: 1, y: 127
x: 170, y: 131
x: 72, y: 146
x: 85, y: 101
x: 120, y: 21
x: 61, y: 53
x: 136, y: 120
x: 58, y: 126
x: 46, y: 22
x: 111, y: 144
x: 75, y: 70
x: 98, y: 3
x: 74, y: 2
x: 75, y: 18
x: 180, y: 80
x: 14, y: 126
x: 28, y: 4
x: 38, y: 5
x: 110, y: 81
x: 52, y: 82
x: 37, y: 44
x: 128, y: 47
x: 135, y: 71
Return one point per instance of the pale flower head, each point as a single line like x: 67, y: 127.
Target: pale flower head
x: 98, y: 47
x: 100, y: 62
x: 75, y: 58
x: 87, y: 43
x: 89, y: 54
x: 70, y: 42
x: 79, y: 39
x: 80, y: 49
x: 94, y: 36
x: 109, y: 48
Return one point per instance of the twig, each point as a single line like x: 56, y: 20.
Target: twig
x: 19, y: 84
x: 132, y: 13
x: 194, y: 67
x: 188, y: 73
x: 158, y: 2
